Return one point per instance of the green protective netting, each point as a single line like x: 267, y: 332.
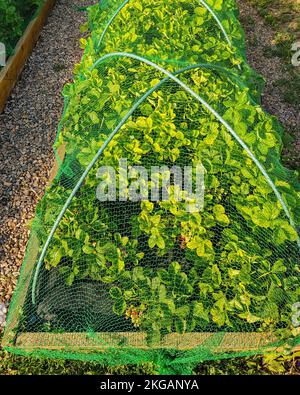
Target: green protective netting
x: 121, y: 280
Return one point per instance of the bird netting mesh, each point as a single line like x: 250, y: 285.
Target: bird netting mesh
x: 169, y: 230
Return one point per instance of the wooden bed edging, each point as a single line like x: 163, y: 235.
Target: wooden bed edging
x: 103, y: 341
x: 10, y: 73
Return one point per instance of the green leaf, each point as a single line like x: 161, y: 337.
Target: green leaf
x: 56, y: 257
x: 147, y: 206
x: 164, y: 276
x: 199, y: 11
x: 212, y: 135
x: 276, y: 294
x: 119, y: 306
x: 216, y: 275
x: 152, y: 241
x: 218, y: 316
x: 88, y: 249
x: 283, y: 232
x: 270, y: 311
x: 279, y: 267
x: 180, y: 325
x: 116, y: 293
x: 251, y: 318
x: 168, y: 307
x: 70, y: 279
x: 94, y: 117
x: 200, y: 312
x: 160, y: 242
x: 221, y: 217
x: 182, y: 312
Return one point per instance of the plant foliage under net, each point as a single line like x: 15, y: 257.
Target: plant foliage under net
x: 162, y: 83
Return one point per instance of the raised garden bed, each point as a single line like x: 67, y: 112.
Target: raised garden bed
x: 141, y: 278
x: 10, y: 73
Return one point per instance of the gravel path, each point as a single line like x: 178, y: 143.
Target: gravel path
x: 27, y: 132
x: 259, y: 37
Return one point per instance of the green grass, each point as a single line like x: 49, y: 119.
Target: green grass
x: 16, y: 365
x: 283, y: 14
x: 284, y: 18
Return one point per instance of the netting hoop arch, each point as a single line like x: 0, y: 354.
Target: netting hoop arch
x: 214, y: 15
x: 110, y: 22
x: 123, y: 121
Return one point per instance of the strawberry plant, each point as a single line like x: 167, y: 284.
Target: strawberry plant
x: 232, y: 266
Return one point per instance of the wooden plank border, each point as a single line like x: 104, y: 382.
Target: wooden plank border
x: 10, y: 73
x: 102, y: 341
